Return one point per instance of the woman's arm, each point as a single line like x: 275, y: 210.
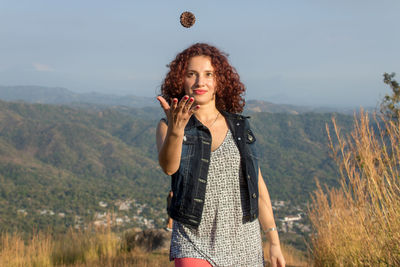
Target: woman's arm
x: 169, y: 148
x: 266, y: 218
x: 169, y: 138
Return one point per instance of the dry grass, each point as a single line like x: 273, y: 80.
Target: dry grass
x: 85, y: 247
x: 91, y: 248
x: 359, y: 223
x: 293, y: 256
x: 14, y: 251
x: 101, y: 247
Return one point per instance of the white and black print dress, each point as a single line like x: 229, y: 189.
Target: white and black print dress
x: 222, y: 238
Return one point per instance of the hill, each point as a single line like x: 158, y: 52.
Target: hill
x: 68, y: 166
x: 61, y: 162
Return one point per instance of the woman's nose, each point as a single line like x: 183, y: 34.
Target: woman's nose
x: 200, y: 80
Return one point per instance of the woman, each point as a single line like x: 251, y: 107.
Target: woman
x: 209, y: 151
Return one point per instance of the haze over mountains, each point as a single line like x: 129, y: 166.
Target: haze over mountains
x: 59, y: 95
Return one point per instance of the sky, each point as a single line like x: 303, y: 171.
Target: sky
x: 313, y: 53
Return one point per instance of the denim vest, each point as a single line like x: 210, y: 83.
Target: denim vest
x: 189, y: 182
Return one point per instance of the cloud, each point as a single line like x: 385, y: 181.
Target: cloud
x: 42, y: 67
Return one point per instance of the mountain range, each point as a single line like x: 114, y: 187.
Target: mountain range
x: 59, y: 95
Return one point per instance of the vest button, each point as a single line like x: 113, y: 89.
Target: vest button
x: 239, y: 138
x: 254, y: 195
x: 248, y: 176
x: 254, y: 216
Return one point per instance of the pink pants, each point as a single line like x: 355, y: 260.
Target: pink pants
x: 191, y: 262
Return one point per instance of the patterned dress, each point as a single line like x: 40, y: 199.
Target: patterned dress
x: 222, y: 238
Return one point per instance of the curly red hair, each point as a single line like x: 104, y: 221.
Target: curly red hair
x: 230, y: 90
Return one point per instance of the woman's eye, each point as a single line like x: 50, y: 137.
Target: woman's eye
x: 209, y: 74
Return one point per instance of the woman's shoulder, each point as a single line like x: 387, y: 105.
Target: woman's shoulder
x: 234, y: 116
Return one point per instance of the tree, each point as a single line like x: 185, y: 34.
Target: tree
x: 390, y: 105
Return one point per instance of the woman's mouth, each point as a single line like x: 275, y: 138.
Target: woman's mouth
x: 199, y: 92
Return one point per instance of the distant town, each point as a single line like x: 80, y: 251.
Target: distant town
x: 131, y: 213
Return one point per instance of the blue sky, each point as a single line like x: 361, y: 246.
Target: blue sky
x: 320, y: 53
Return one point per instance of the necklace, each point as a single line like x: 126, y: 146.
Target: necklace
x: 216, y: 117
x: 214, y: 120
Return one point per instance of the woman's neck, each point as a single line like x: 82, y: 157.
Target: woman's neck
x: 206, y: 113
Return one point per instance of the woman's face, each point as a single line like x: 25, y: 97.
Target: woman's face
x: 200, y: 82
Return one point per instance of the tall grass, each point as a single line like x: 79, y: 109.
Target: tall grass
x: 293, y: 257
x: 86, y: 247
x: 358, y: 224
x: 94, y: 247
x: 15, y: 253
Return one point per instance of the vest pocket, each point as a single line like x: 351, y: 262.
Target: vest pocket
x: 188, y: 144
x: 250, y: 144
x: 187, y: 157
x: 250, y: 138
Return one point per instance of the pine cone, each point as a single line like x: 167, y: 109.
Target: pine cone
x: 187, y: 19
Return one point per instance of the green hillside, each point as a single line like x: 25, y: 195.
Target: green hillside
x: 57, y: 163
x: 66, y: 161
x: 294, y: 152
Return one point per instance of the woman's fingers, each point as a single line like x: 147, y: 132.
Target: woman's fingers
x: 193, y: 110
x: 184, y: 105
x: 188, y: 109
x: 188, y: 105
x: 174, y: 104
x: 164, y: 105
x: 178, y: 110
x: 183, y: 102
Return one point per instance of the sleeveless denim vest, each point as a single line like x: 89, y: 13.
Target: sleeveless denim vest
x: 189, y: 182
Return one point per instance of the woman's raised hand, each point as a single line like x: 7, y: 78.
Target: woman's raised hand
x: 178, y: 114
